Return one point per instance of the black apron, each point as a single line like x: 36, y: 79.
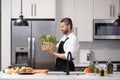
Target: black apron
x: 61, y: 64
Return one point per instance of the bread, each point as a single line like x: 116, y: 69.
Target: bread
x: 26, y: 70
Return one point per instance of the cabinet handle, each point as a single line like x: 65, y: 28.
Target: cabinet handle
x: 35, y: 10
x: 31, y: 9
x: 113, y: 10
x: 76, y: 31
x: 110, y: 10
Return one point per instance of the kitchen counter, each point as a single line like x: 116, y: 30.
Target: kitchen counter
x: 116, y: 76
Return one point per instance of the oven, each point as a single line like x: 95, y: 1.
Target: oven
x: 105, y: 29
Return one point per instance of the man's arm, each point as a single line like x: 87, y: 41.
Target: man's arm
x: 62, y: 56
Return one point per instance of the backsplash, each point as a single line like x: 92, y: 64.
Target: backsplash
x: 103, y: 48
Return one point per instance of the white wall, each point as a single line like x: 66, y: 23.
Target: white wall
x: 103, y: 48
x: 5, y: 28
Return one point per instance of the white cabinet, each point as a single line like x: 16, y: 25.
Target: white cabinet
x: 106, y: 9
x: 34, y: 8
x: 81, y: 13
x: 116, y: 8
x: 45, y: 8
x: 84, y: 19
x: 15, y: 5
x: 28, y: 8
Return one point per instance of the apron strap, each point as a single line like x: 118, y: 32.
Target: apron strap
x: 66, y: 39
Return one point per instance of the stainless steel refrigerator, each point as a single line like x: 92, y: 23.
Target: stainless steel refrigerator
x: 26, y: 46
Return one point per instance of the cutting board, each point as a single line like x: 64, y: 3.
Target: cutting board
x: 41, y: 70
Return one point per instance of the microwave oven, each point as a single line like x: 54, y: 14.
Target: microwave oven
x: 105, y: 29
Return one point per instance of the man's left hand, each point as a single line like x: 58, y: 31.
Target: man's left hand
x: 50, y: 51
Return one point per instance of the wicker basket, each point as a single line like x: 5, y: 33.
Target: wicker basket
x: 48, y: 45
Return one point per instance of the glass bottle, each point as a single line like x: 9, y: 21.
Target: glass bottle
x: 109, y: 66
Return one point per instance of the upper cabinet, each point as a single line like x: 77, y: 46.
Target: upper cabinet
x: 81, y: 13
x: 34, y: 8
x: 116, y: 8
x: 106, y: 9
x: 84, y: 19
x: 15, y: 5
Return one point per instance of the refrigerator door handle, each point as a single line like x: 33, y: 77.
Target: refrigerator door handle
x: 29, y: 40
x: 33, y: 51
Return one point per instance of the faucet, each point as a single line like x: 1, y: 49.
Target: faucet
x: 69, y: 58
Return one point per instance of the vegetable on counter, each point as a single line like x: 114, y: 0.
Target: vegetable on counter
x: 11, y: 70
x: 91, y: 69
x: 23, y: 70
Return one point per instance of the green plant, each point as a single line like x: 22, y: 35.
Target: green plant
x: 48, y: 38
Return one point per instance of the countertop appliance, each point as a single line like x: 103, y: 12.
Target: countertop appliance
x: 26, y: 46
x: 85, y: 56
x: 105, y: 29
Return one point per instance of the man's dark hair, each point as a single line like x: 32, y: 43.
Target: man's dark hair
x: 67, y: 21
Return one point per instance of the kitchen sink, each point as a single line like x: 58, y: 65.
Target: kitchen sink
x: 64, y: 73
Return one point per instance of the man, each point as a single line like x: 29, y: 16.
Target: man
x: 68, y: 43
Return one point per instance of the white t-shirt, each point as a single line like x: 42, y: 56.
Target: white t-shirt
x: 71, y: 45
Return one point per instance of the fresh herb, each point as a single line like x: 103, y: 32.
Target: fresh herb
x: 48, y: 38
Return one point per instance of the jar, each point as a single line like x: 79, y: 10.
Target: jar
x: 102, y: 71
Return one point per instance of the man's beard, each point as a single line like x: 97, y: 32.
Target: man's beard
x: 65, y: 31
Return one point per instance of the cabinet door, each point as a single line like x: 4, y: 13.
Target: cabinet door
x: 45, y: 8
x: 26, y: 8
x: 64, y: 8
x: 102, y: 9
x: 84, y: 19
x: 15, y: 5
x: 115, y: 7
x: 34, y: 8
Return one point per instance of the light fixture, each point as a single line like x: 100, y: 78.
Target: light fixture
x: 117, y: 21
x: 21, y: 21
